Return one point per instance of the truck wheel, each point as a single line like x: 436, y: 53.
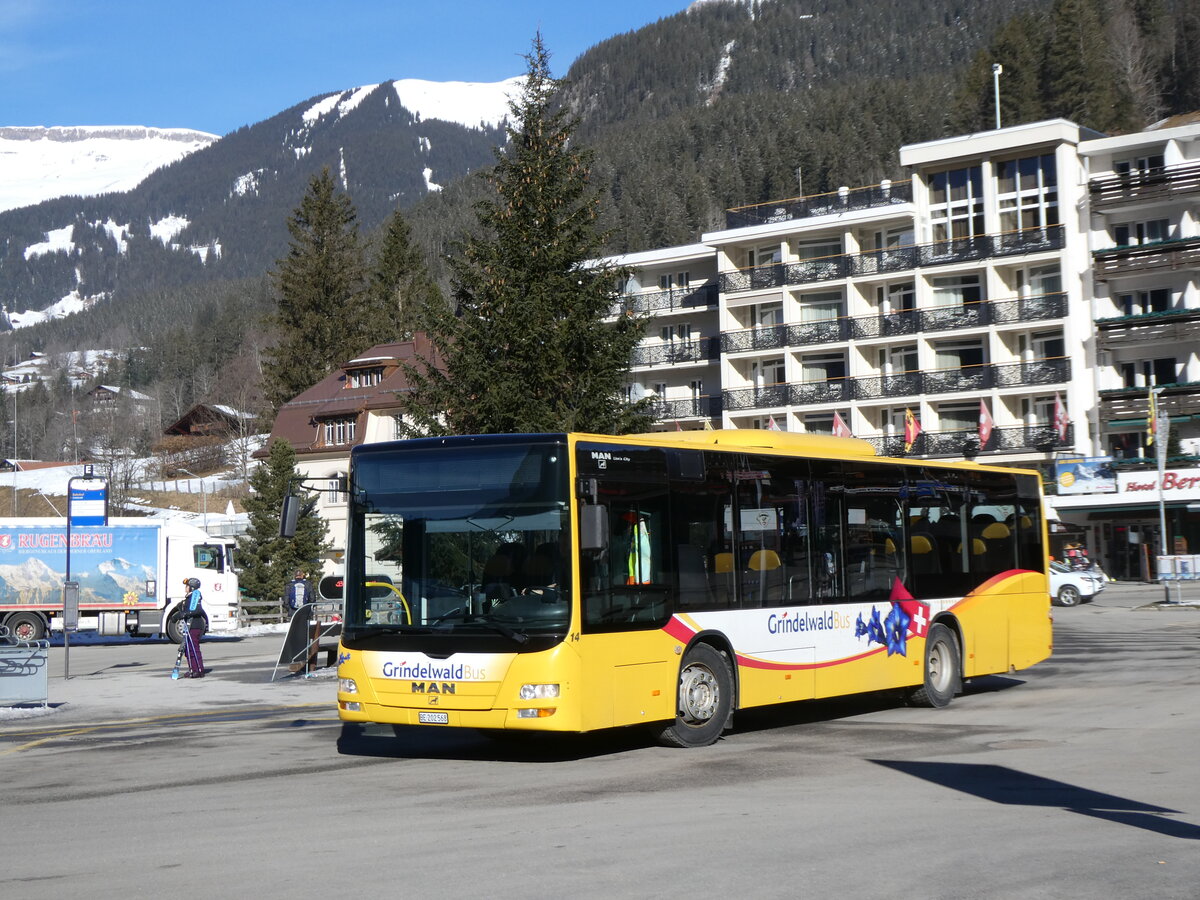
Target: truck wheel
x: 175, y: 628
x: 26, y: 626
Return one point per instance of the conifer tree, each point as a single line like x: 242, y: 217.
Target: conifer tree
x: 527, y: 348
x: 268, y: 560
x: 400, y: 286
x: 318, y: 285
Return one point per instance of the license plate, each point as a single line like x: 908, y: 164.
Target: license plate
x: 433, y: 718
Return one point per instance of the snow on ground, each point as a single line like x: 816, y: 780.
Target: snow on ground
x: 469, y: 103
x: 71, y: 303
x: 38, y: 164
x: 166, y: 228
x: 57, y: 241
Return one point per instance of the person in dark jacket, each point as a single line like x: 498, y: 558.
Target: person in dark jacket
x: 195, y: 623
x: 299, y: 590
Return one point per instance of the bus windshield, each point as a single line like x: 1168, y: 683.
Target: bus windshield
x: 456, y: 545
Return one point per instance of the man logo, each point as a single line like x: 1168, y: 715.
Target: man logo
x: 432, y: 687
x: 433, y: 700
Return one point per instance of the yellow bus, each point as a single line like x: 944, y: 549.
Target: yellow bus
x: 574, y: 582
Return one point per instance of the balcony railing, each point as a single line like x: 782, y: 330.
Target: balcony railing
x: 688, y: 408
x: 700, y: 297
x: 885, y: 194
x: 910, y: 321
x: 1181, y: 399
x: 906, y: 384
x: 873, y: 262
x: 965, y: 443
x: 1139, y: 187
x: 672, y: 353
x: 1169, y: 325
x: 1117, y: 261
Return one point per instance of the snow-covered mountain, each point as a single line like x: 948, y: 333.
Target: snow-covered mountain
x: 39, y: 164
x: 220, y: 210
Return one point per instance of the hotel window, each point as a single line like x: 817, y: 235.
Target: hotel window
x: 1139, y: 303
x: 958, y: 416
x: 339, y: 431
x: 893, y: 238
x: 893, y: 298
x: 956, y: 203
x: 899, y: 360
x: 1027, y: 192
x: 956, y: 290
x: 1142, y: 165
x: 1130, y: 234
x: 1038, y: 281
x: 697, y: 388
x: 764, y: 256
x: 822, y: 423
x: 821, y: 307
x: 680, y: 332
x: 958, y: 354
x: 766, y: 315
x: 768, y: 372
x: 1149, y: 372
x: 333, y: 492
x: 818, y: 249
x: 1049, y: 345
x: 823, y: 367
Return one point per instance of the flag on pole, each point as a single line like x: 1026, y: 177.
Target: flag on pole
x: 772, y: 425
x: 1060, y: 418
x: 708, y: 424
x: 912, y: 430
x: 678, y: 427
x: 985, y: 424
x: 840, y: 428
x: 1152, y: 420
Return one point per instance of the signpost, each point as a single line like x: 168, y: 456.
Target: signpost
x: 87, y: 506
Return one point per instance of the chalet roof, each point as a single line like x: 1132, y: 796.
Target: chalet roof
x: 299, y: 420
x: 204, y: 415
x: 120, y: 391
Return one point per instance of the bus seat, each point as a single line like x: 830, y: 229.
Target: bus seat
x: 693, y: 584
x: 924, y: 560
x: 723, y: 562
x: 761, y: 560
x: 889, y: 546
x: 978, y: 547
x: 997, y: 531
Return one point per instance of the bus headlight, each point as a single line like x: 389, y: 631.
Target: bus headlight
x: 539, y: 713
x: 347, y: 686
x: 538, y: 691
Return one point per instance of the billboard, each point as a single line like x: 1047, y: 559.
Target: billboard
x: 1085, y: 475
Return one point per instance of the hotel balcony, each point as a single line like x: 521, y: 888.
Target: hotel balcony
x: 1152, y: 186
x: 895, y: 259
x: 1114, y: 262
x: 877, y: 195
x: 1134, y: 403
x: 701, y: 297
x: 965, y: 443
x: 913, y: 321
x: 674, y: 353
x: 687, y: 408
x: 1181, y: 325
x: 908, y: 384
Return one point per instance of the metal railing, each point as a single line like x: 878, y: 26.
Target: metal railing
x: 1183, y: 253
x: 701, y: 297
x: 910, y: 321
x: 888, y: 193
x: 705, y: 407
x: 903, y: 384
x: 1153, y: 184
x: 898, y: 259
x: 673, y: 353
x: 965, y: 442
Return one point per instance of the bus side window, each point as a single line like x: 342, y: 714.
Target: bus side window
x: 827, y: 518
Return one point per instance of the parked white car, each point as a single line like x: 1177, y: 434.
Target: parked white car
x: 1069, y: 587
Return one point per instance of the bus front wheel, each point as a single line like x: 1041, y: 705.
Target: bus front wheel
x: 705, y: 699
x: 943, y: 669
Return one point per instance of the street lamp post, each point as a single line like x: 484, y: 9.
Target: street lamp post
x: 203, y: 495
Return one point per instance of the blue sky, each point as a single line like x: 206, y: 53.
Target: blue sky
x: 215, y: 65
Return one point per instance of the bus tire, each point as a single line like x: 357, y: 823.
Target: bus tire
x: 174, y: 628
x: 943, y: 669
x: 705, y: 699
x: 26, y: 626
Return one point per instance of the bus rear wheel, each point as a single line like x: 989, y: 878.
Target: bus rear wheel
x: 705, y: 699
x: 943, y: 669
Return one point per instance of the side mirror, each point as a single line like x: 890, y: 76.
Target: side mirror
x: 593, y: 528
x: 288, y: 516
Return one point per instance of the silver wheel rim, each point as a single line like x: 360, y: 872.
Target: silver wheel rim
x: 699, y: 694
x: 939, y: 666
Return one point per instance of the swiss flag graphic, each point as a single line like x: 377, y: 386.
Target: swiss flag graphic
x: 917, y: 612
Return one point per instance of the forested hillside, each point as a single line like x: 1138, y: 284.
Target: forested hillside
x: 722, y: 105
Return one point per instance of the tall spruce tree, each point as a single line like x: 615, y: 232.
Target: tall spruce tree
x: 527, y: 347
x: 268, y: 560
x: 400, y: 286
x: 318, y: 285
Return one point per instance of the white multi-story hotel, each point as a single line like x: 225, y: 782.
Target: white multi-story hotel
x: 1017, y: 293
x: 1040, y: 278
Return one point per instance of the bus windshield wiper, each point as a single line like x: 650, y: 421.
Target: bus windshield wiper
x: 518, y: 637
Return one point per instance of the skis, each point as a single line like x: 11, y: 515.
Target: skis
x: 179, y: 657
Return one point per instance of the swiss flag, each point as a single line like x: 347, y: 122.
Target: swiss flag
x: 840, y: 428
x: 985, y: 425
x: 917, y: 612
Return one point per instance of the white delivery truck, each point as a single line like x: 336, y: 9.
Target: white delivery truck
x: 130, y: 575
